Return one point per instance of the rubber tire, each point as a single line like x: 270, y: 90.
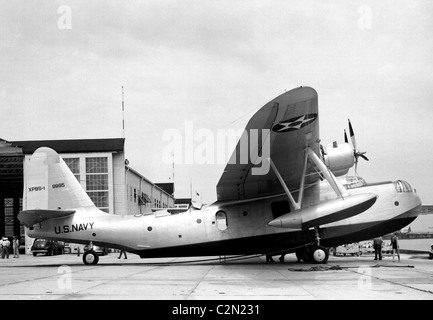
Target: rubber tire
x: 319, y: 254
x: 90, y: 257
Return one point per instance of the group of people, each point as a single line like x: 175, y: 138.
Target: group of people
x: 378, y: 245
x: 5, y: 246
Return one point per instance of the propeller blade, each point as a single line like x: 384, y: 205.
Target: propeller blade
x: 364, y: 157
x: 352, y: 135
x: 345, y: 137
x: 356, y: 152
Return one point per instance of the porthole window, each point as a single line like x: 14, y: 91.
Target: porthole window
x: 221, y: 220
x: 149, y: 228
x: 244, y: 213
x: 396, y: 203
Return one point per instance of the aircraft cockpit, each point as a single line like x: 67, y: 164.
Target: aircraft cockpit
x: 402, y: 186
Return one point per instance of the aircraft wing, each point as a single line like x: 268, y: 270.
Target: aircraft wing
x: 284, y: 127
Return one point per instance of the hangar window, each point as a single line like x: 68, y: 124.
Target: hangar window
x: 100, y: 199
x: 9, y: 217
x: 97, y: 165
x: 221, y: 220
x: 74, y: 166
x: 97, y: 181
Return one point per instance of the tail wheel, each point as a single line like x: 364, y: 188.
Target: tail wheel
x: 319, y: 254
x: 90, y: 257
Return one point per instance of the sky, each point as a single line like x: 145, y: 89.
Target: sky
x: 203, y: 66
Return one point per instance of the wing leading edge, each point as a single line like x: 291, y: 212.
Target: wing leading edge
x: 280, y: 130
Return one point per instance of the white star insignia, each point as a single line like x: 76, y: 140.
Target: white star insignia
x: 295, y: 123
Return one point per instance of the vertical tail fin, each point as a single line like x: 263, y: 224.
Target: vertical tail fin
x: 50, y: 184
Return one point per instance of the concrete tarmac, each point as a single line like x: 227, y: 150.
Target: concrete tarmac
x: 209, y: 278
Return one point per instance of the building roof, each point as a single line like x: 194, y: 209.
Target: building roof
x: 157, y: 185
x: 73, y: 146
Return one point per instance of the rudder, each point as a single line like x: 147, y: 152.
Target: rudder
x: 50, y: 184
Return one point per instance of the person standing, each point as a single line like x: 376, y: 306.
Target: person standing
x: 16, y: 247
x: 269, y: 258
x: 395, y: 247
x: 377, y: 245
x: 122, y: 253
x: 282, y: 258
x: 2, y: 251
x: 6, y: 245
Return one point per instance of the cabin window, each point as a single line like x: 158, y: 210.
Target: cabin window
x: 221, y: 220
x: 279, y: 208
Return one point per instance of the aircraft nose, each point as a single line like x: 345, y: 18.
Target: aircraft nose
x: 414, y: 201
x: 406, y: 200
x: 417, y: 199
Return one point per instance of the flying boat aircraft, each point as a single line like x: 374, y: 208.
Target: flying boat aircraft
x: 281, y: 192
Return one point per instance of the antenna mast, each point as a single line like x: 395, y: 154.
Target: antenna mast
x: 123, y: 114
x: 173, y: 173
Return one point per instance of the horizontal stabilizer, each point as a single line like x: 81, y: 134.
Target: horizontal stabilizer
x: 325, y: 212
x: 31, y: 217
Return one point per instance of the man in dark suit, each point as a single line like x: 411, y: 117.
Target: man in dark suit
x: 377, y: 245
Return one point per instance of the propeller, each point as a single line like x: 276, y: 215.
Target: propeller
x: 356, y: 152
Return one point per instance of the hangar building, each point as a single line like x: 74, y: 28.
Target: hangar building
x: 99, y: 165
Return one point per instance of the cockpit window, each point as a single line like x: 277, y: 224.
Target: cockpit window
x: 402, y: 186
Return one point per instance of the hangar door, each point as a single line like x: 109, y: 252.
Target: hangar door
x: 10, y: 225
x: 11, y: 190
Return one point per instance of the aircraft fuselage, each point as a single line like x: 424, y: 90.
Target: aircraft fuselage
x: 233, y: 227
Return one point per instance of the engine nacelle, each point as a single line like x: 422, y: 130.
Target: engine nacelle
x: 339, y: 158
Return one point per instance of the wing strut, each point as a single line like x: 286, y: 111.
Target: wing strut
x: 297, y: 205
x: 329, y: 176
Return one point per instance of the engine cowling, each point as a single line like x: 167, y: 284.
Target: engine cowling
x: 338, y: 158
